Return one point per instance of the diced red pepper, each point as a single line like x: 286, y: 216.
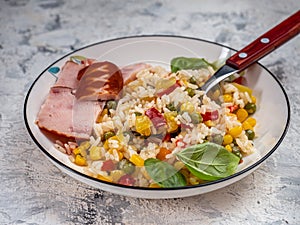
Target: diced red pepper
x: 168, y: 90
x: 233, y: 108
x: 108, y: 166
x: 213, y: 115
x: 127, y: 180
x: 156, y: 117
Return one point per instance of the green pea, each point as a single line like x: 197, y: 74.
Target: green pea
x: 190, y: 91
x: 250, y: 134
x: 108, y: 135
x: 196, y: 118
x: 218, y: 139
x: 250, y: 108
x: 111, y: 105
x: 126, y: 166
x: 138, y: 113
x: 171, y: 107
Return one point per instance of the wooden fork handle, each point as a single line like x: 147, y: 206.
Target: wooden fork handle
x: 266, y: 43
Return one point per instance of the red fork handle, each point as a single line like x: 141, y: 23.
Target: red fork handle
x: 266, y: 43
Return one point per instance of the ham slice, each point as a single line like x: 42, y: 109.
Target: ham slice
x: 64, y: 115
x: 72, y: 115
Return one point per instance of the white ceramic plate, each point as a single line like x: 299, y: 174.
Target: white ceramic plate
x: 272, y: 120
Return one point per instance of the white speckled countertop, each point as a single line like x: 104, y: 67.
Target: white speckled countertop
x: 35, y: 33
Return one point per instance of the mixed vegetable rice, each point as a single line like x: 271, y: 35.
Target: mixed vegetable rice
x: 165, y: 132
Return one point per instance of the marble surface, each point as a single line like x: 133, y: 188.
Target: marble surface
x: 35, y: 33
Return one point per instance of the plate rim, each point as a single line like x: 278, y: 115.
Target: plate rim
x: 210, y: 183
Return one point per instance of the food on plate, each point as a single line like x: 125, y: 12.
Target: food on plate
x: 143, y: 125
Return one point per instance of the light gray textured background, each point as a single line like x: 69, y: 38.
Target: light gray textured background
x: 35, y: 33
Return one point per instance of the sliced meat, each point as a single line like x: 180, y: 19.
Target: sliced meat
x: 129, y: 72
x: 64, y: 115
x: 68, y: 76
x: 100, y: 81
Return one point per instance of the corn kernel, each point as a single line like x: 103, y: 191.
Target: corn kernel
x: 154, y: 185
x: 247, y: 126
x: 104, y: 178
x: 227, y: 139
x: 80, y: 160
x: 251, y: 121
x: 118, y: 156
x: 235, y: 131
x: 209, y: 123
x: 136, y: 160
x: 194, y: 180
x: 227, y: 98
x: 228, y: 148
x: 241, y: 114
x: 253, y: 99
x: 85, y: 145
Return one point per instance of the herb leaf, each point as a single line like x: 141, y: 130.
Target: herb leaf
x: 183, y: 63
x: 164, y: 174
x: 209, y: 161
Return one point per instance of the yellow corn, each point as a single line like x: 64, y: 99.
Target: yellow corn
x: 85, y: 145
x: 115, y: 151
x: 227, y: 98
x: 235, y: 131
x: 136, y: 160
x: 104, y: 178
x: 247, y: 126
x: 171, y: 122
x: 241, y: 114
x: 228, y: 148
x: 227, y: 139
x: 209, y: 123
x: 80, y: 160
x: 253, y: 99
x: 143, y: 125
x: 116, y: 175
x: 194, y: 180
x: 251, y: 121
x: 154, y: 185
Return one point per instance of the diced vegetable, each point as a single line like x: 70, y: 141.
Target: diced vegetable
x: 126, y: 166
x: 187, y: 107
x: 171, y: 107
x: 111, y: 104
x: 162, y: 153
x: 127, y: 180
x: 190, y: 91
x: 210, y: 115
x: 80, y: 160
x: 241, y: 114
x: 243, y: 88
x: 196, y: 118
x: 227, y: 98
x: 250, y: 107
x: 108, y: 135
x: 143, y: 125
x: 108, y: 166
x: 171, y: 122
x: 250, y: 134
x: 251, y: 121
x: 95, y: 153
x: 136, y: 160
x: 235, y: 131
x: 227, y: 139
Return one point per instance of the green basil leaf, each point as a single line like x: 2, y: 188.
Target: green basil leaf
x: 183, y: 63
x: 164, y: 174
x: 209, y: 161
